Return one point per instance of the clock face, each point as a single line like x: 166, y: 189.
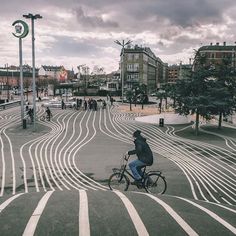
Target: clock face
x: 21, y: 29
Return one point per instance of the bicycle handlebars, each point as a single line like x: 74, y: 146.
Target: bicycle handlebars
x: 126, y: 157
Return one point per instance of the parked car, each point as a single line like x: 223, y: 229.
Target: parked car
x: 53, y: 104
x: 67, y: 95
x: 57, y: 104
x: 45, y: 98
x: 70, y: 104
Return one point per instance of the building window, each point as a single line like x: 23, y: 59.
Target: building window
x: 136, y: 66
x: 112, y: 85
x: 133, y: 67
x: 130, y: 57
x: 133, y: 76
x: 129, y: 67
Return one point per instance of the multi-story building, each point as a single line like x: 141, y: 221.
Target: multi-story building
x: 173, y: 73
x: 176, y: 72
x: 141, y: 66
x: 53, y: 72
x: 10, y: 76
x: 217, y: 54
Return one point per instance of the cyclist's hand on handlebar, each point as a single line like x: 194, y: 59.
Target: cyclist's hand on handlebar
x: 126, y: 156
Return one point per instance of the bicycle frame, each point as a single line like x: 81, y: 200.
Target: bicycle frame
x: 123, y: 170
x: 150, y: 178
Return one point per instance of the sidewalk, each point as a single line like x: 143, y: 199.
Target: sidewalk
x: 169, y: 119
x: 150, y: 114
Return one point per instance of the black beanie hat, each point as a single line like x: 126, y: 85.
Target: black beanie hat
x: 136, y: 133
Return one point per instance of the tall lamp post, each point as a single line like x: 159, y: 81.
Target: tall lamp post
x: 21, y: 31
x: 33, y: 17
x: 123, y: 44
x: 7, y: 83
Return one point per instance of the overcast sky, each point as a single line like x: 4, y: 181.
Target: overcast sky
x: 74, y: 32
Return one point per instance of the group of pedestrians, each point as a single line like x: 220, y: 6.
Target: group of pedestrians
x: 92, y: 104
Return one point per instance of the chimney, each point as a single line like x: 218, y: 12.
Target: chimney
x: 217, y: 44
x: 211, y: 44
x: 224, y: 43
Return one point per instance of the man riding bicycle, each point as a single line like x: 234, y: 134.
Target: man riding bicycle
x: 49, y: 113
x: 144, y: 154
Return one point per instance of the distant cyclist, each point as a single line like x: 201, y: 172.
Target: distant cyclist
x: 49, y: 113
x: 144, y: 154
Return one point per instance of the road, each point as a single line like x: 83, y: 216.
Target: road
x: 54, y: 180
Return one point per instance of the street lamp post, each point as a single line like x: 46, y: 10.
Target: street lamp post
x: 80, y: 76
x: 7, y: 83
x: 123, y: 44
x: 33, y: 17
x: 21, y: 31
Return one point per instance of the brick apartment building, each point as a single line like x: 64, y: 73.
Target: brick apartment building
x: 10, y: 78
x: 215, y: 54
x: 176, y: 72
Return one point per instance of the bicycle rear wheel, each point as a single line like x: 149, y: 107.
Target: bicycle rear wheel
x: 118, y: 182
x: 155, y: 183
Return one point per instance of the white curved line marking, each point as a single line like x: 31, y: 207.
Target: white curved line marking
x: 84, y: 226
x: 213, y: 215
x: 33, y: 221
x: 182, y: 223
x: 8, y: 201
x: 138, y: 223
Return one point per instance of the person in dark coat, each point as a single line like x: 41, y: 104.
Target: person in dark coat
x: 30, y: 113
x: 63, y: 105
x: 144, y: 154
x: 49, y: 113
x: 85, y: 105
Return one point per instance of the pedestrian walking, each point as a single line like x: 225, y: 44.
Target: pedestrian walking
x: 111, y: 100
x: 95, y: 105
x: 85, y: 105
x: 63, y: 105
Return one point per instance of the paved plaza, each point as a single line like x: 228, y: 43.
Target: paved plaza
x: 54, y: 180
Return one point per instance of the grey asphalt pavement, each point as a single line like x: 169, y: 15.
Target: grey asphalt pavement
x: 54, y: 180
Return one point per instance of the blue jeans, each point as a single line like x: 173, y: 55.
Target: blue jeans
x: 135, y: 166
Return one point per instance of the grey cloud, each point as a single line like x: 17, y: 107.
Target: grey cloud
x: 89, y: 21
x: 66, y: 46
x: 165, y: 20
x: 183, y: 13
x: 130, y: 16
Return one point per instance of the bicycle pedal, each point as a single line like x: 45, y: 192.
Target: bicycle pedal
x: 139, y: 186
x: 137, y: 183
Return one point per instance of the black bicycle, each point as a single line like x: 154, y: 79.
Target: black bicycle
x: 45, y: 117
x: 152, y: 181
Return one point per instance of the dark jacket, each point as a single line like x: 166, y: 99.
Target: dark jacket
x: 142, y: 150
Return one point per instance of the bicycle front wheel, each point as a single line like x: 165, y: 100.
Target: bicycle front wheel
x: 118, y: 182
x: 155, y: 183
x: 42, y: 118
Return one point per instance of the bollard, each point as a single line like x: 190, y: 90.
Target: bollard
x: 24, y: 123
x: 161, y: 122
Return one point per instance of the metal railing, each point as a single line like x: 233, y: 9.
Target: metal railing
x: 6, y: 105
